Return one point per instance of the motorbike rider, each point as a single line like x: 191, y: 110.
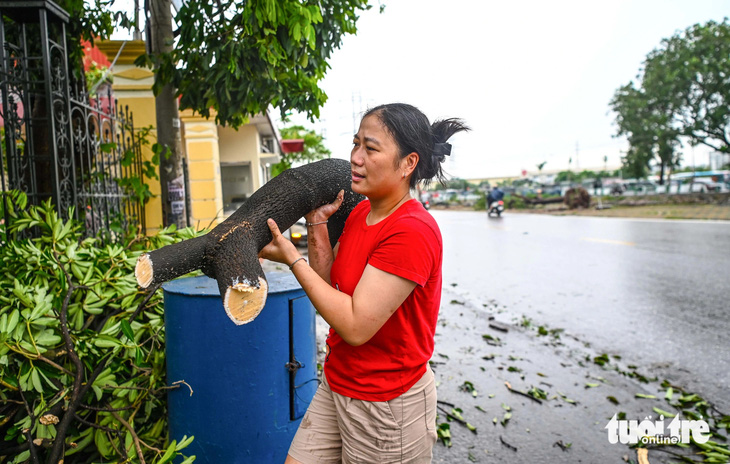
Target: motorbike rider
x: 496, y: 194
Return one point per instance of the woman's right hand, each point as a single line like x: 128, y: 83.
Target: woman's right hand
x: 324, y: 212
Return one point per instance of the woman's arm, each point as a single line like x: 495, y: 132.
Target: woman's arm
x: 321, y: 254
x: 356, y: 319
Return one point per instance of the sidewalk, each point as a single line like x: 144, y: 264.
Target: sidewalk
x: 481, y: 346
x: 669, y: 211
x: 579, y: 396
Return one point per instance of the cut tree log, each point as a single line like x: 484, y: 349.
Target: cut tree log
x: 229, y: 253
x: 538, y: 201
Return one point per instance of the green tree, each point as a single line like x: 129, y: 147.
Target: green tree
x: 643, y: 117
x: 691, y: 71
x: 564, y: 176
x: 314, y: 149
x: 457, y: 184
x: 683, y: 91
x: 238, y: 59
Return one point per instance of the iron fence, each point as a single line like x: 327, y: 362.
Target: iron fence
x: 58, y: 141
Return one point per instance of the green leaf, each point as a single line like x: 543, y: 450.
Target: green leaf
x: 107, y: 147
x: 663, y: 412
x: 127, y: 330
x: 12, y: 321
x: 48, y: 338
x: 107, y: 341
x: 670, y: 393
x: 185, y: 442
x: 35, y: 378
x: 22, y: 457
x: 170, y: 453
x: 648, y: 397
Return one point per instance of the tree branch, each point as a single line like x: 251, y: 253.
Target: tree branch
x: 95, y: 425
x: 59, y: 441
x: 26, y: 432
x: 135, y: 438
x: 150, y: 293
x: 15, y: 450
x: 57, y: 366
x: 92, y: 408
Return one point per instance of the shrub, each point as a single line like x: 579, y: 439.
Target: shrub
x: 511, y: 202
x: 82, y: 360
x: 481, y: 203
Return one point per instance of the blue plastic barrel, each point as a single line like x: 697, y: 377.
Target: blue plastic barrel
x: 251, y: 384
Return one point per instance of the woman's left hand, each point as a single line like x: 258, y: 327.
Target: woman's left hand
x: 279, y: 249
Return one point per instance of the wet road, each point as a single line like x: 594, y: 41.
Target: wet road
x: 656, y: 293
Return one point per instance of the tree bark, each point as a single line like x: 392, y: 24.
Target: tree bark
x: 172, y: 180
x: 229, y: 253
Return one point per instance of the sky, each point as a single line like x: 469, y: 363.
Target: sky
x: 533, y: 79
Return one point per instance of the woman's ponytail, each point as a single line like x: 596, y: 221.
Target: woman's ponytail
x: 441, y: 131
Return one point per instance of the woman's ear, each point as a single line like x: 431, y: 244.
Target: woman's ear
x: 410, y: 162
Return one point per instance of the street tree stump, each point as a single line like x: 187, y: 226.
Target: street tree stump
x: 229, y: 253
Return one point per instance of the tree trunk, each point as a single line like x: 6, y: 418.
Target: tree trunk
x: 172, y: 180
x: 538, y: 201
x: 661, y: 173
x: 229, y: 253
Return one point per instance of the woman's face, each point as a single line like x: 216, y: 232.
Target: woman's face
x: 373, y: 160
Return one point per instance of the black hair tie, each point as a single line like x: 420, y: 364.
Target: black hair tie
x: 442, y: 149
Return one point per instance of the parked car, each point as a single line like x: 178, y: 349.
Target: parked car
x: 468, y: 198
x: 633, y: 187
x: 298, y: 233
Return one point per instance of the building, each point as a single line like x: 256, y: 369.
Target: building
x: 225, y: 166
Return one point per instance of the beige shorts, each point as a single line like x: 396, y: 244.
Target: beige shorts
x: 340, y: 429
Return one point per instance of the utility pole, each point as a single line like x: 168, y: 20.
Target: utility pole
x: 577, y: 160
x: 356, y: 111
x: 172, y: 179
x: 137, y: 35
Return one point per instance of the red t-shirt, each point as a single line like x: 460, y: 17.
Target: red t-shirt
x: 408, y: 244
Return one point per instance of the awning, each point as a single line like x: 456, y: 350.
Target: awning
x: 292, y: 145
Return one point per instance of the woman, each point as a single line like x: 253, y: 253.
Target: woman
x: 380, y: 291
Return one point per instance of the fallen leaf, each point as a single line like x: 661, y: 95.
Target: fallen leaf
x: 663, y: 412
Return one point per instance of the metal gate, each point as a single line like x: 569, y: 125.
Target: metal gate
x: 58, y: 142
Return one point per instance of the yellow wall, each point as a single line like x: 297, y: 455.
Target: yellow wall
x: 201, y: 146
x: 242, y: 145
x: 133, y: 89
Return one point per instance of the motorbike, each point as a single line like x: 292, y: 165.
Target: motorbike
x: 496, y: 207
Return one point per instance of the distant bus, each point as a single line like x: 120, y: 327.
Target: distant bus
x: 698, y: 181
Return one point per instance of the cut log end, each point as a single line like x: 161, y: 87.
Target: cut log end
x: 143, y: 271
x: 244, y: 302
